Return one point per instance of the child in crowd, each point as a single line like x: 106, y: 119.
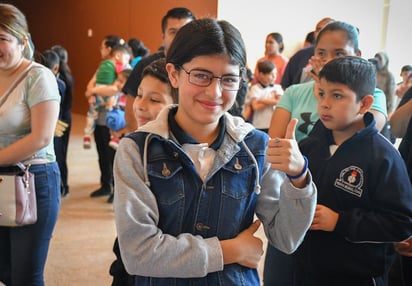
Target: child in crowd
x: 51, y: 60
x: 154, y: 92
x: 65, y: 118
x: 115, y: 118
x: 403, y: 86
x: 263, y: 95
x: 188, y: 184
x: 106, y: 75
x: 364, y: 194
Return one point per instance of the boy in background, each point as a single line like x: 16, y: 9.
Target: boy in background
x: 51, y: 60
x: 364, y: 194
x: 263, y: 96
x: 115, y: 119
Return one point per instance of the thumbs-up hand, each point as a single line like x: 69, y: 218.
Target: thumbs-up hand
x: 284, y: 155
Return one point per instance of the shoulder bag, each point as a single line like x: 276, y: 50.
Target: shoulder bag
x: 18, y: 204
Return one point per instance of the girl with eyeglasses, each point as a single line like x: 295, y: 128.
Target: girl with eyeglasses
x: 188, y: 184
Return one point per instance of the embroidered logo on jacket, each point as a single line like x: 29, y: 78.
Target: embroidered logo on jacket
x: 351, y: 180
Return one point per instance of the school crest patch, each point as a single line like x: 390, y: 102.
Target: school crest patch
x: 351, y: 180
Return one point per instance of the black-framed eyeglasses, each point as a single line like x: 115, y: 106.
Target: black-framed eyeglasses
x: 204, y: 78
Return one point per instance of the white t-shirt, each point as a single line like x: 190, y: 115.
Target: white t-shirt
x: 261, y: 118
x: 15, y: 117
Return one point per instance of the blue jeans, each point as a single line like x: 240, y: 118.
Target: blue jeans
x: 23, y: 250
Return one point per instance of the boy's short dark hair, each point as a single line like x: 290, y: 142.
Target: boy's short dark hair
x: 177, y: 13
x: 50, y: 59
x: 356, y: 73
x: 126, y: 73
x: 266, y: 67
x: 157, y: 69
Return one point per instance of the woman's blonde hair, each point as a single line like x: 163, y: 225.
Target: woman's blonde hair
x: 13, y: 21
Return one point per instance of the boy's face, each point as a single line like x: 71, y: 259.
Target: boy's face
x: 152, y: 96
x: 339, y: 109
x: 267, y: 78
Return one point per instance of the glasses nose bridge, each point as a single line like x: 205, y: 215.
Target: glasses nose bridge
x: 218, y: 80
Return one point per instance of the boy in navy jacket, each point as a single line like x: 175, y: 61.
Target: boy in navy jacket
x: 364, y: 194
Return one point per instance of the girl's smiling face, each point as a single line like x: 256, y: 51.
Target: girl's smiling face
x: 201, y: 106
x: 152, y: 96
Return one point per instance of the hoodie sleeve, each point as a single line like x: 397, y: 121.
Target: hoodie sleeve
x: 145, y: 249
x: 285, y: 211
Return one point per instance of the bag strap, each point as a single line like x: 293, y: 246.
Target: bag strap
x: 16, y: 83
x: 22, y: 166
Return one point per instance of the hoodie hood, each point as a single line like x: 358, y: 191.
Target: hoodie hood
x: 383, y: 60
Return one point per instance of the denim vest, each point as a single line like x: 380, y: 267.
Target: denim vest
x: 221, y: 206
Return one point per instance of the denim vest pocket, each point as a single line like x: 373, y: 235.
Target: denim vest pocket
x: 238, y: 199
x: 166, y: 183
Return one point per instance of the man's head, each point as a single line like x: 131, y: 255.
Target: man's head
x: 322, y: 23
x: 172, y: 22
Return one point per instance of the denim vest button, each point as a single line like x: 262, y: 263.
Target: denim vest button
x: 200, y: 226
x: 165, y: 171
x: 237, y: 165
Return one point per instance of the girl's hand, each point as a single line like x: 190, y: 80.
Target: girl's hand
x: 245, y: 249
x: 285, y: 156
